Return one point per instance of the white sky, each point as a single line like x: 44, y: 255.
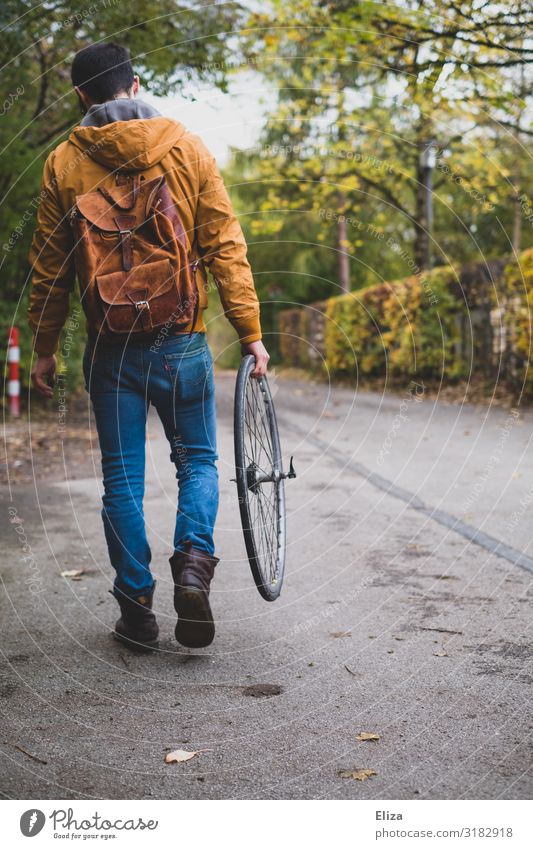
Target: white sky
x: 222, y: 120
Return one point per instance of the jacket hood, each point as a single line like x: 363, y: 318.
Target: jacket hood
x: 118, y: 109
x: 129, y: 145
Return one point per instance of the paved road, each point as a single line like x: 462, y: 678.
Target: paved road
x: 396, y: 618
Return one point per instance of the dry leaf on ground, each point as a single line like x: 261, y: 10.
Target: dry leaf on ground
x: 72, y: 573
x: 179, y: 756
x: 367, y: 735
x: 357, y: 774
x: 441, y: 653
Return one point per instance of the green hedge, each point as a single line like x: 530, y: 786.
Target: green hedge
x: 407, y: 327
x: 422, y: 327
x: 518, y: 312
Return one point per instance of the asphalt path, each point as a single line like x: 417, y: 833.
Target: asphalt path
x: 405, y: 613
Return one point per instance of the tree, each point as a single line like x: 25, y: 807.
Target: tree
x: 363, y: 87
x: 173, y: 43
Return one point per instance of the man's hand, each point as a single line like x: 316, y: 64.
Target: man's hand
x: 258, y: 350
x: 43, y: 375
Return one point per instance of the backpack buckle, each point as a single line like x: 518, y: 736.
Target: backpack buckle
x: 144, y: 315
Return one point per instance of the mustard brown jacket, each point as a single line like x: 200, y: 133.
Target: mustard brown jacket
x: 154, y: 146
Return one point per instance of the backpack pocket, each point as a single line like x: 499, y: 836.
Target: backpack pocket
x: 142, y: 299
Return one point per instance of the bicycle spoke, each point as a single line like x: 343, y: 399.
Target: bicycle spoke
x: 261, y: 490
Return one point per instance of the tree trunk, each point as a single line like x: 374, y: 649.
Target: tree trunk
x: 342, y: 227
x: 517, y: 208
x: 517, y: 223
x: 342, y: 239
x: 517, y: 176
x: 421, y: 236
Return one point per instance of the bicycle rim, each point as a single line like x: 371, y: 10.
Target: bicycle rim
x: 261, y: 492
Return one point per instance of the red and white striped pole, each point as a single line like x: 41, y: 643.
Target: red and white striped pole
x: 13, y: 385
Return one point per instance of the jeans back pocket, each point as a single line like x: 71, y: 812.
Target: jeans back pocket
x: 191, y: 373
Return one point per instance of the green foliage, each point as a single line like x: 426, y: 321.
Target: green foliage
x: 423, y: 334
x: 518, y: 302
x: 173, y: 45
x: 361, y: 88
x: 411, y: 329
x: 405, y: 328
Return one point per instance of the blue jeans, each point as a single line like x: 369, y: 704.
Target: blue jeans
x: 175, y: 374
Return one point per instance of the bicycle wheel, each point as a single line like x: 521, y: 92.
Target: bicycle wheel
x: 260, y: 480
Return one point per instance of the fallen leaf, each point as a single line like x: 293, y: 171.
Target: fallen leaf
x: 357, y: 774
x: 367, y: 735
x: 73, y: 573
x: 441, y: 653
x: 179, y: 756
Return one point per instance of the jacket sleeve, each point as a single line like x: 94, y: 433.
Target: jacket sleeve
x: 53, y: 270
x: 222, y: 247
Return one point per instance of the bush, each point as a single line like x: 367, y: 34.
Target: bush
x: 405, y: 328
x: 518, y: 310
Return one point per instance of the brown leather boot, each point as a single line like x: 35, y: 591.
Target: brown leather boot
x: 193, y: 571
x: 137, y: 627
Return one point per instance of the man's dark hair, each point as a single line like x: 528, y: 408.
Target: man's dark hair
x: 102, y: 70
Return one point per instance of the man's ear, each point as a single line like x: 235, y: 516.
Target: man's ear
x: 81, y: 101
x: 82, y: 96
x: 136, y: 86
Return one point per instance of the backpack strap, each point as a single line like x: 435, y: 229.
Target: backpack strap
x: 125, y: 224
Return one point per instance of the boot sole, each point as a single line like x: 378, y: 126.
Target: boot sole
x: 136, y: 646
x: 195, y: 628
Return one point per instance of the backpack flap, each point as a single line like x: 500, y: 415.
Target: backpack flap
x: 141, y: 299
x: 132, y: 259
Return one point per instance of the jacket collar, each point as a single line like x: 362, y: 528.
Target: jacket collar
x: 122, y: 109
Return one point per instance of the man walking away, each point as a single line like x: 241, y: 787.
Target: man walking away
x: 135, y: 206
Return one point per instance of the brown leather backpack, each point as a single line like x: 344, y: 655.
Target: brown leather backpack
x: 132, y: 261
